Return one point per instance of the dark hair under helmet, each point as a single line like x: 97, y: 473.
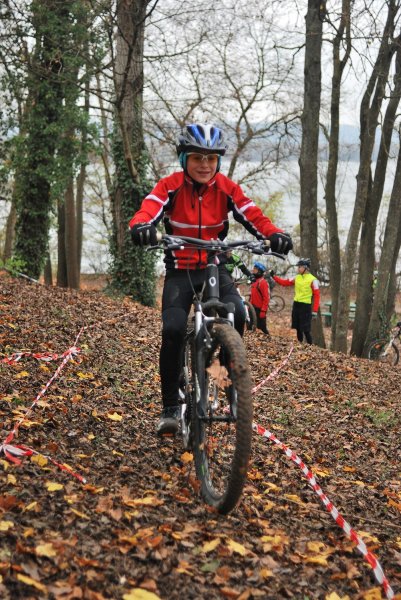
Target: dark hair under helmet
x: 200, y: 136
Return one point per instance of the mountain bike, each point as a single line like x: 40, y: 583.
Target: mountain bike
x: 276, y: 303
x: 215, y: 384
x: 386, y: 350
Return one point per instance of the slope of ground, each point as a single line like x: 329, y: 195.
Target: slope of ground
x: 138, y: 523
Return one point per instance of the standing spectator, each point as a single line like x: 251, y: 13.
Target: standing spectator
x: 306, y: 299
x: 260, y: 296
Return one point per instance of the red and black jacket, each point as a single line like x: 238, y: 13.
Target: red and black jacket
x: 260, y: 294
x: 200, y: 212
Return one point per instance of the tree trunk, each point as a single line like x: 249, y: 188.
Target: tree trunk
x: 379, y: 320
x: 80, y: 184
x: 364, y: 297
x: 79, y: 215
x: 369, y: 113
x: 133, y: 269
x: 48, y: 274
x: 331, y: 177
x: 71, y: 238
x: 37, y: 152
x: 10, y: 229
x: 393, y: 278
x: 310, y: 141
x: 62, y: 279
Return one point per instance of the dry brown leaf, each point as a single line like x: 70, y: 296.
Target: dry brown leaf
x: 32, y: 582
x: 219, y: 374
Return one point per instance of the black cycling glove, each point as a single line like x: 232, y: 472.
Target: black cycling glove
x: 144, y: 234
x: 280, y: 242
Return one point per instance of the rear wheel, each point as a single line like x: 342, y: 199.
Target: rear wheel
x: 384, y: 351
x: 251, y: 319
x: 222, y: 418
x: 276, y: 303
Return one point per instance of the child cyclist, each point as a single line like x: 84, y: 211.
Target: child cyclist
x: 195, y: 202
x: 306, y: 299
x: 260, y: 296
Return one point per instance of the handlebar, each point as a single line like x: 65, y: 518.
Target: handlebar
x: 175, y: 242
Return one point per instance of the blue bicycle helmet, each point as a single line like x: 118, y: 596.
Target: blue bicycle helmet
x: 260, y: 267
x: 200, y: 136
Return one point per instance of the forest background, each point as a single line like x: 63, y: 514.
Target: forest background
x: 93, y: 94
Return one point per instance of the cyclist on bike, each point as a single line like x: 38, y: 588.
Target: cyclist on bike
x: 260, y: 296
x: 306, y: 299
x: 195, y: 202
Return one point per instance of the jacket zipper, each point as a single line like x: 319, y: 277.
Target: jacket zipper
x: 200, y: 198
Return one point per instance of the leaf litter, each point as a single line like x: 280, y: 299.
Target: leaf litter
x: 137, y: 528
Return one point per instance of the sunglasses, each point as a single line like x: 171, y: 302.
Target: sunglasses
x: 199, y: 158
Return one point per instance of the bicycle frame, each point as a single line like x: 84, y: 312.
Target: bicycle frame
x: 209, y: 303
x: 219, y: 312
x: 216, y: 414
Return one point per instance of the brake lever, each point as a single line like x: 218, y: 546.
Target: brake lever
x: 169, y: 247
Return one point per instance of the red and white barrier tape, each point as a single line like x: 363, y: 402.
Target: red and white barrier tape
x: 20, y: 450
x: 10, y: 450
x: 274, y: 373
x: 46, y: 356
x: 341, y: 522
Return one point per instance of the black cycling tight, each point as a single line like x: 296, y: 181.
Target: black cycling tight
x: 176, y: 303
x: 307, y: 334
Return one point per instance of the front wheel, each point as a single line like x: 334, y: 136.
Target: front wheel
x: 276, y: 303
x: 222, y: 417
x: 384, y: 351
x: 251, y: 318
x: 186, y: 389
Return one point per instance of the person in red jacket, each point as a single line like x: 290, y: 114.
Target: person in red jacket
x: 306, y: 299
x: 260, y: 296
x: 195, y: 202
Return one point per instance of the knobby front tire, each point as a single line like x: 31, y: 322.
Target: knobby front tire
x: 383, y: 351
x: 186, y: 388
x: 252, y: 319
x: 222, y: 419
x: 276, y: 303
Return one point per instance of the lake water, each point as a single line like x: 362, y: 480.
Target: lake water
x: 285, y: 180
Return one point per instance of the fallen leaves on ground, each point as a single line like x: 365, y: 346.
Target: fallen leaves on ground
x: 138, y: 529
